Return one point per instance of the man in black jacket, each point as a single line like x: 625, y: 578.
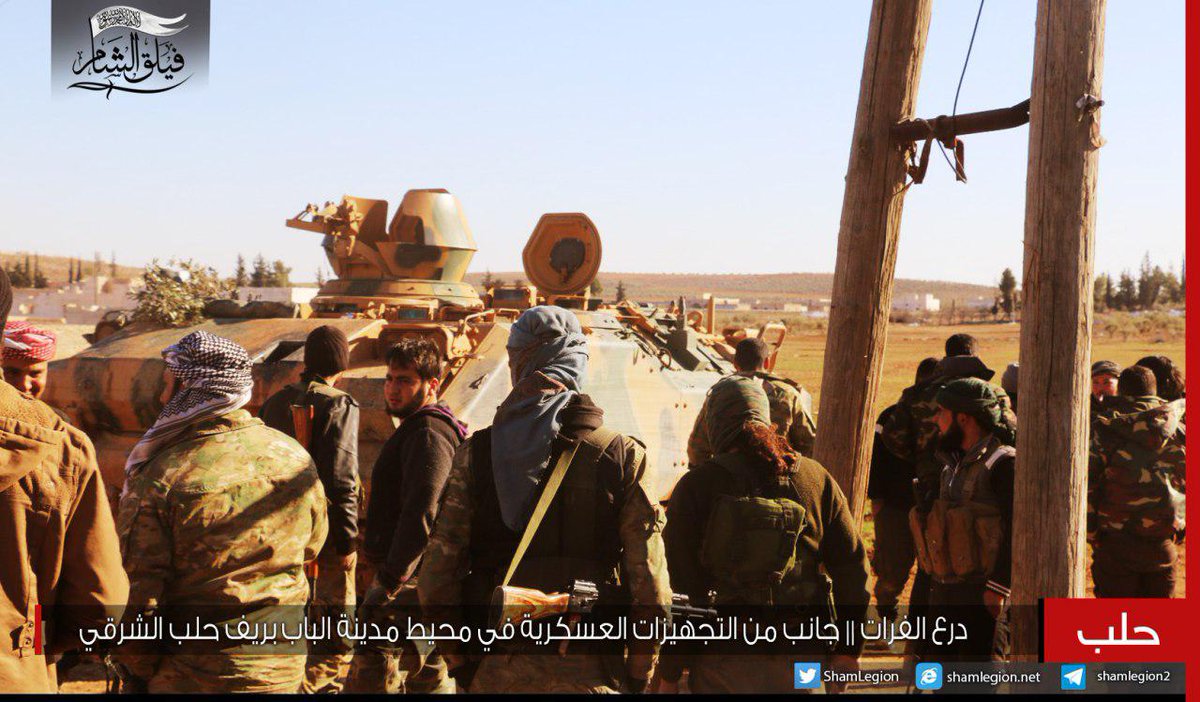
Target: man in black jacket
x: 325, y: 421
x: 406, y: 487
x: 890, y: 489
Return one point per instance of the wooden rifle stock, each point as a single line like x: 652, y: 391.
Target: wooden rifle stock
x: 517, y: 603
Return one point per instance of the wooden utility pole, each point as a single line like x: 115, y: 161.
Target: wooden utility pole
x: 1056, y: 323
x: 866, y: 256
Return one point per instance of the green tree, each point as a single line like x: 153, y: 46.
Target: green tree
x: 1168, y: 286
x: 240, y: 278
x: 38, y: 279
x: 174, y: 295
x: 1147, y: 284
x: 597, y: 288
x: 112, y: 265
x: 621, y: 293
x: 16, y: 275
x: 1126, y: 297
x: 488, y: 281
x: 1100, y: 290
x: 280, y: 276
x: 1008, y: 289
x: 260, y: 276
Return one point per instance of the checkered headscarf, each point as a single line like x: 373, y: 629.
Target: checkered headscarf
x: 215, y: 375
x: 26, y: 342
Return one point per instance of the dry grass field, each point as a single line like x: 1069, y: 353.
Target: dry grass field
x: 802, y: 358
x: 803, y: 353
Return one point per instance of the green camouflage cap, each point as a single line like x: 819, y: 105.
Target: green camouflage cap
x: 731, y: 402
x: 974, y: 397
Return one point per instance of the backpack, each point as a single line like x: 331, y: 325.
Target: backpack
x: 750, y: 543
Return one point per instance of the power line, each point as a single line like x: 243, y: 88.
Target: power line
x: 967, y: 60
x: 963, y: 74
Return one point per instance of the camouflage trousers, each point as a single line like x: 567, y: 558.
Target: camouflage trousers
x: 1128, y: 566
x: 397, y: 672
x: 226, y: 673
x: 541, y: 673
x: 333, y: 592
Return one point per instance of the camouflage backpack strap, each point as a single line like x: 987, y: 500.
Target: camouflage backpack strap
x: 764, y: 375
x: 587, y: 450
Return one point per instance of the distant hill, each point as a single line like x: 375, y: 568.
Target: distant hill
x: 55, y: 267
x: 773, y: 287
x: 769, y: 287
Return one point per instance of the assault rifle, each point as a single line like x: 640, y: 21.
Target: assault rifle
x: 517, y: 603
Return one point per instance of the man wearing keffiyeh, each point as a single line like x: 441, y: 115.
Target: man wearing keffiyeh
x: 218, y: 508
x: 28, y: 351
x: 210, y: 376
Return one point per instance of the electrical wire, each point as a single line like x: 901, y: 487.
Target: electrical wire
x: 967, y: 60
x: 961, y: 76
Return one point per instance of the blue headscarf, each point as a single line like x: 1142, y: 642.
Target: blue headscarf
x: 547, y: 355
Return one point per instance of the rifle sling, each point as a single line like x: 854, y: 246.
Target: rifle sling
x: 593, y: 446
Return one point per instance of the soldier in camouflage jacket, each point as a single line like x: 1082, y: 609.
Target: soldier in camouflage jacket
x: 1136, y: 487
x: 791, y: 406
x: 219, y: 515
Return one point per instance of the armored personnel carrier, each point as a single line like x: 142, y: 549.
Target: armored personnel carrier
x: 649, y: 368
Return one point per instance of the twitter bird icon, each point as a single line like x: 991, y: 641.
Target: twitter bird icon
x: 808, y: 676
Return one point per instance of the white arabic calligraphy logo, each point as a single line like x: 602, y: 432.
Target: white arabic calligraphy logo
x: 131, y: 63
x: 1124, y: 640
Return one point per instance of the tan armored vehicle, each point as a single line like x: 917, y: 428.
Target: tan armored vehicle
x: 649, y: 367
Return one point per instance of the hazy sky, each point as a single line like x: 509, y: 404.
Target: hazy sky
x: 699, y: 136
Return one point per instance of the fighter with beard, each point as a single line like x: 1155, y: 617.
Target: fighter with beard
x: 406, y: 488
x: 964, y: 535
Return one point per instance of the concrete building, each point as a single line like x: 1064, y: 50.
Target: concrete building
x: 84, y: 302
x: 916, y: 302
x: 978, y: 302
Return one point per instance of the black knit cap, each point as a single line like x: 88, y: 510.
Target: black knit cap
x: 1106, y: 368
x: 6, y: 298
x: 326, y: 351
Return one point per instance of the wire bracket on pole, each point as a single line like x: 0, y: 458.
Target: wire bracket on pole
x: 947, y: 130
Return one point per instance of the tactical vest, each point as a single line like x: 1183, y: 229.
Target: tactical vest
x: 578, y: 539
x: 752, y: 545
x: 958, y: 539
